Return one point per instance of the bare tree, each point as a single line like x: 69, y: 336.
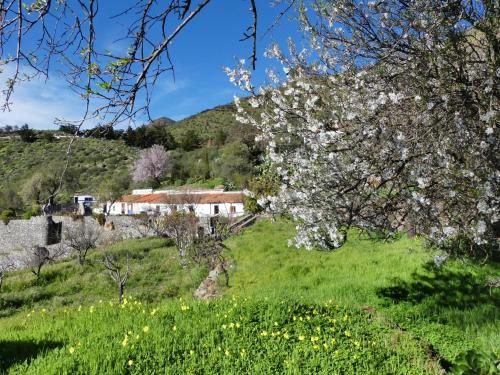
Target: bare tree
x: 142, y: 225
x: 7, y: 264
x: 81, y: 238
x: 35, y: 34
x: 210, y: 250
x: 151, y: 164
x: 182, y: 227
x: 37, y: 257
x: 118, y: 273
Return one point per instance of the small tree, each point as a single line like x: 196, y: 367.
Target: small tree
x: 27, y: 135
x: 81, y: 238
x: 118, y: 273
x: 112, y: 189
x: 43, y: 186
x: 37, y: 257
x: 151, y: 165
x: 6, y: 265
x: 210, y: 250
x: 181, y: 226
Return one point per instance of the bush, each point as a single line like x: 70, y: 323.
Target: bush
x: 7, y: 215
x: 31, y: 211
x: 251, y: 205
x: 100, y: 218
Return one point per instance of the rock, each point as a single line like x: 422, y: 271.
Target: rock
x: 208, y: 288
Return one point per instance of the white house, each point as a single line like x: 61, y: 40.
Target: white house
x: 200, y: 202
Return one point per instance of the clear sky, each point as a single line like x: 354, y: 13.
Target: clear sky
x: 199, y: 53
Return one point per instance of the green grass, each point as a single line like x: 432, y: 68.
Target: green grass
x: 156, y: 274
x: 370, y: 307
x: 449, y: 308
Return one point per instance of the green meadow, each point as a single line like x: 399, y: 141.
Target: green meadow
x: 371, y: 307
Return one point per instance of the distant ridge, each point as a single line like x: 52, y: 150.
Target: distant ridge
x: 162, y: 121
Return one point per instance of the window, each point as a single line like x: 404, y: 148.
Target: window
x: 216, y: 209
x: 191, y: 208
x: 123, y: 208
x: 232, y: 209
x: 157, y: 208
x: 174, y: 209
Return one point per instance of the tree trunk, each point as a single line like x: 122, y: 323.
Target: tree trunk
x: 120, y: 293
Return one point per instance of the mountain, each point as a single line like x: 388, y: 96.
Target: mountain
x: 162, y: 121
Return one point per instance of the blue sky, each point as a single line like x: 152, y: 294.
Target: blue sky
x: 199, y: 54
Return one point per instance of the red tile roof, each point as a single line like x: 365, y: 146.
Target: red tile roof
x: 166, y: 198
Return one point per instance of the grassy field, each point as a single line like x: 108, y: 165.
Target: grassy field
x: 374, y: 308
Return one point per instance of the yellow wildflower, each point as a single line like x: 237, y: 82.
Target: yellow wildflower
x: 315, y: 347
x: 237, y: 325
x: 263, y: 333
x: 286, y: 335
x: 227, y: 353
x: 301, y: 338
x: 325, y: 345
x: 71, y: 350
x: 348, y: 333
x: 345, y: 318
x: 184, y: 307
x: 314, y: 338
x: 130, y: 362
x: 174, y: 328
x: 191, y: 352
x: 146, y: 329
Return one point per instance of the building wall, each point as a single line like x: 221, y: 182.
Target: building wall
x: 200, y: 209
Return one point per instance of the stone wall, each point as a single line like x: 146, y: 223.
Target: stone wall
x: 18, y: 234
x: 38, y: 231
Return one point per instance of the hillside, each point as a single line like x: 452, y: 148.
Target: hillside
x: 370, y: 308
x: 206, y: 149
x: 92, y: 160
x: 213, y: 123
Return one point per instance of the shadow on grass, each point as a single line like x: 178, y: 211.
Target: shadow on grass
x: 14, y: 352
x: 445, y: 287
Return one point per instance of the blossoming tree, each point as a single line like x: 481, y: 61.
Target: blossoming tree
x: 388, y: 119
x: 151, y: 164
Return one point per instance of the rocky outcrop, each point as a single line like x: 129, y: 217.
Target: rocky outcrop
x: 208, y: 288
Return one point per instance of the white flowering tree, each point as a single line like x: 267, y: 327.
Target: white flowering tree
x: 388, y: 119
x: 151, y: 164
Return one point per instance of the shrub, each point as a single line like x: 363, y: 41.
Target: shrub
x: 7, y: 215
x: 31, y: 211
x: 100, y: 218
